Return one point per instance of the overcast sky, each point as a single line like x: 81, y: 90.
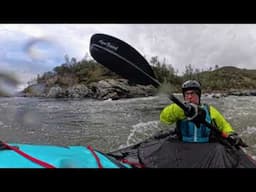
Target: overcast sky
x: 31, y: 49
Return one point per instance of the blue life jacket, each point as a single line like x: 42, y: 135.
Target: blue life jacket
x: 190, y: 133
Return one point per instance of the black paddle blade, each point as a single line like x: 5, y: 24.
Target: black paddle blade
x: 122, y: 59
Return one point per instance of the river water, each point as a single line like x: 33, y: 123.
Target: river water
x: 107, y: 125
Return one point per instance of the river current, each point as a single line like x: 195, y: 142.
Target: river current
x: 107, y: 125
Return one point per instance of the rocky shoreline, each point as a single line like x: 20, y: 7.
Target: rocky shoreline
x: 105, y: 89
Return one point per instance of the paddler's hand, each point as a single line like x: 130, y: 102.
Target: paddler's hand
x: 195, y: 113
x: 191, y: 110
x: 235, y: 140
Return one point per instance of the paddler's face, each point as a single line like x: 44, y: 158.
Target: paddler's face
x: 191, y: 96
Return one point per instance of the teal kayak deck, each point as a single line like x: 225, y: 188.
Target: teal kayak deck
x: 57, y: 156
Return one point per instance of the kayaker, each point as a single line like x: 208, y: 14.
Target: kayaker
x: 189, y: 127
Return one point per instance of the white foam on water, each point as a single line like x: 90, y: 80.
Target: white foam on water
x: 249, y: 130
x: 2, y: 125
x: 141, y: 131
x: 253, y: 157
x: 130, y: 100
x: 107, y: 100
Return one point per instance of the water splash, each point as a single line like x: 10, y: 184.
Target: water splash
x: 141, y: 131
